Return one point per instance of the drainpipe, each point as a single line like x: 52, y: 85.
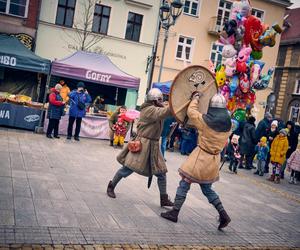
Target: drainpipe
x: 37, y: 24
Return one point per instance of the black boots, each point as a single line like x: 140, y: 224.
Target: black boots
x: 111, y: 143
x: 165, y: 202
x: 171, y: 215
x: 111, y: 190
x: 224, y: 219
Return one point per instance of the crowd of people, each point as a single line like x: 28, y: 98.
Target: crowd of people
x: 59, y: 96
x: 272, y: 144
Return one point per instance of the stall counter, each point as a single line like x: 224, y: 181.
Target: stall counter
x: 91, y: 127
x: 19, y: 116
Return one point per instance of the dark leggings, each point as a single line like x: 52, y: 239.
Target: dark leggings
x: 77, y: 128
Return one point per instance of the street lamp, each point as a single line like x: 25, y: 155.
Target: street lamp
x: 168, y: 14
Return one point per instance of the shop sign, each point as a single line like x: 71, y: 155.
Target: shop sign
x: 91, y: 75
x: 8, y: 60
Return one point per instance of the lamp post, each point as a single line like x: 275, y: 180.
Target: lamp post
x: 168, y: 13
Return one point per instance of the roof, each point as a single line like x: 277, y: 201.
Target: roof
x: 93, y: 67
x: 284, y: 3
x: 292, y: 23
x: 15, y: 55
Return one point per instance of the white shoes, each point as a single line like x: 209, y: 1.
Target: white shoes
x: 293, y: 180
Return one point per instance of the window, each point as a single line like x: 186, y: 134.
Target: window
x: 184, y: 48
x: 101, y: 19
x: 14, y: 7
x: 295, y: 112
x: 258, y: 13
x: 191, y: 7
x: 134, y: 26
x: 223, y: 14
x: 216, y: 54
x: 297, y: 88
x: 65, y: 12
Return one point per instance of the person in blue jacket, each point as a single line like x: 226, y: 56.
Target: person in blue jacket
x: 79, y: 99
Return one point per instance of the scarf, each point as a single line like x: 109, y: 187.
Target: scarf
x: 218, y: 119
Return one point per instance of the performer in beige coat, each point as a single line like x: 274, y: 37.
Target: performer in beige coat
x: 202, y: 166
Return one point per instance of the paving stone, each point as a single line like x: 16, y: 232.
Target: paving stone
x: 7, y: 217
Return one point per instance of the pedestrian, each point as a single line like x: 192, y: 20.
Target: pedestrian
x: 293, y: 143
x: 188, y: 140
x: 272, y: 133
x: 65, y: 90
x: 149, y: 160
x: 55, y: 111
x: 167, y: 126
x: 262, y: 150
x: 202, y: 166
x: 293, y: 165
x: 120, y: 131
x: 233, y: 153
x: 248, y: 142
x: 278, y: 151
x: 79, y: 99
x: 263, y: 126
x: 113, y: 120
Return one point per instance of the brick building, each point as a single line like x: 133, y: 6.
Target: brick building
x: 19, y: 18
x: 287, y: 73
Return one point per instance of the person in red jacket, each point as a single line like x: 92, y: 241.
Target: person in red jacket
x: 55, y: 111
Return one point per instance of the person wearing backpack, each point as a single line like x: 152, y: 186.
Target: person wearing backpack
x: 79, y: 99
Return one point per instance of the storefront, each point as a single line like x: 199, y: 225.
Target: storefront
x: 22, y: 80
x: 101, y: 77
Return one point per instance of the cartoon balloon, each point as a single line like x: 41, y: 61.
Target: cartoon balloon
x: 239, y: 115
x: 263, y: 82
x: 233, y: 85
x: 235, y: 125
x: 221, y: 76
x: 244, y: 83
x: 225, y: 91
x: 268, y: 37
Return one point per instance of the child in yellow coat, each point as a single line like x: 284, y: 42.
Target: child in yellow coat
x: 278, y: 151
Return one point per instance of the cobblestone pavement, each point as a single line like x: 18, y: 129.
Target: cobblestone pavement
x: 53, y: 192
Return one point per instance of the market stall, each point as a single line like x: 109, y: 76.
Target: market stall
x: 163, y: 86
x: 21, y: 74
x: 101, y: 77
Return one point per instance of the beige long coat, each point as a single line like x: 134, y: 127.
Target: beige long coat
x: 202, y: 166
x: 150, y: 160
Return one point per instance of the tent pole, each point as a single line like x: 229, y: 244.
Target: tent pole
x: 116, y: 97
x: 39, y: 129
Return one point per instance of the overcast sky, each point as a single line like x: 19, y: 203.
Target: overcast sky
x: 296, y: 4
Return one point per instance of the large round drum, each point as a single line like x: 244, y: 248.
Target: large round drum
x: 187, y: 81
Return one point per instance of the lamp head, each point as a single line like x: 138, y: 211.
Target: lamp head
x: 176, y: 9
x: 164, y: 11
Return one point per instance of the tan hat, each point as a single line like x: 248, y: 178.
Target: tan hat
x: 58, y: 87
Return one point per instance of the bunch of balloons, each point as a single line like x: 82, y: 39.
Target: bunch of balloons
x: 243, y: 38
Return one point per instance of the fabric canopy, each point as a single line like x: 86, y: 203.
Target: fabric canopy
x: 163, y: 86
x: 92, y: 67
x: 13, y: 54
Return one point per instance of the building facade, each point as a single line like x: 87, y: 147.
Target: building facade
x: 123, y: 30
x: 287, y: 73
x: 19, y: 18
x: 192, y: 39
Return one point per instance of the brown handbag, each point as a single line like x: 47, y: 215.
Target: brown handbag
x: 135, y: 146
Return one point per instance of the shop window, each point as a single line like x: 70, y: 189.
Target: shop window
x: 258, y: 13
x: 295, y: 113
x: 65, y: 12
x: 14, y: 7
x: 216, y: 54
x: 134, y: 26
x: 184, y: 48
x: 191, y: 7
x: 297, y: 88
x: 101, y: 19
x: 223, y: 14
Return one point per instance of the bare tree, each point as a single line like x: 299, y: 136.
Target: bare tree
x: 84, y: 38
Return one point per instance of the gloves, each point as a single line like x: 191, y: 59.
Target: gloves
x: 196, y: 94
